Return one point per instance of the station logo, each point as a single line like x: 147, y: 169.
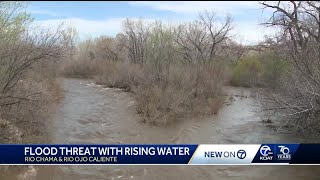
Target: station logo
x: 266, y: 153
x: 284, y: 153
x: 241, y: 154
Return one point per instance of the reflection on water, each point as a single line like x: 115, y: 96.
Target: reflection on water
x: 95, y: 115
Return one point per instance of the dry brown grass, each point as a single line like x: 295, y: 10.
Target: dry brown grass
x: 120, y: 75
x: 30, y: 116
x: 81, y: 68
x: 27, y: 122
x: 164, y: 92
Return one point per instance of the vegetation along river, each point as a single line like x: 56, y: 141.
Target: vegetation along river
x: 91, y: 114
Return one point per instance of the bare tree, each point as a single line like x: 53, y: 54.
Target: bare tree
x: 161, y: 50
x: 85, y: 50
x: 71, y: 36
x: 299, y: 95
x: 217, y: 34
x: 137, y: 35
x: 200, y: 40
x: 232, y: 51
x: 21, y: 48
x: 109, y: 48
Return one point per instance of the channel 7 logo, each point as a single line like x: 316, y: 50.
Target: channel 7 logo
x: 266, y: 153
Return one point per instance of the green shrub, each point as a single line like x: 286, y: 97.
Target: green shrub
x: 246, y: 71
x: 274, y: 71
x: 264, y: 70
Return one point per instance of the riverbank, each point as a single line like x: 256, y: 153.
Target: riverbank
x: 92, y: 114
x: 29, y: 120
x: 163, y: 94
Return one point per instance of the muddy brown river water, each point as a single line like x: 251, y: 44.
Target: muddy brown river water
x: 90, y: 114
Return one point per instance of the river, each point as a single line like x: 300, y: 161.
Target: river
x: 91, y: 114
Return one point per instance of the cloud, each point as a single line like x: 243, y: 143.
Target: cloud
x: 234, y: 7
x: 246, y: 15
x: 87, y: 28
x: 249, y: 33
x: 43, y: 12
x: 246, y: 32
x: 35, y: 10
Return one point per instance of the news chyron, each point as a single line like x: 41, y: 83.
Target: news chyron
x: 161, y: 154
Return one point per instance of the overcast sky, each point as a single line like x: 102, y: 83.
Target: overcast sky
x: 94, y: 18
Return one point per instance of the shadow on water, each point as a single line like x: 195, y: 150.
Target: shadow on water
x: 95, y: 115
